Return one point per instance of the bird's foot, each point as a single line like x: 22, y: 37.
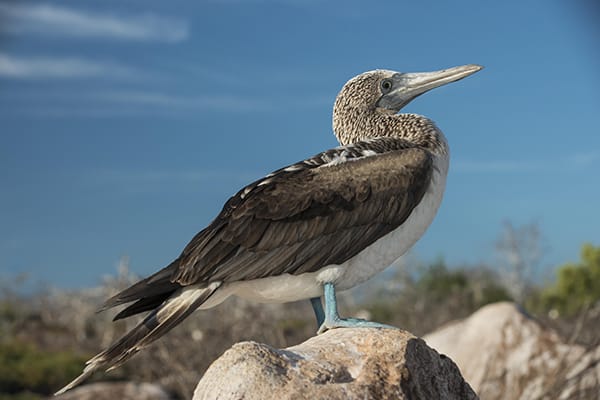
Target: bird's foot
x: 330, y: 319
x: 351, y: 323
x: 318, y: 308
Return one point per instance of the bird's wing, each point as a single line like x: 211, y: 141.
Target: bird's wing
x: 317, y: 212
x: 320, y: 211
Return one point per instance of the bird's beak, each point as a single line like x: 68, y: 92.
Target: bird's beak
x: 407, y: 86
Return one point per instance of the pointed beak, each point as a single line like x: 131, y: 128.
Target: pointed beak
x: 408, y: 86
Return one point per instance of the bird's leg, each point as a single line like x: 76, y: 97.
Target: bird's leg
x: 332, y: 318
x: 318, y: 308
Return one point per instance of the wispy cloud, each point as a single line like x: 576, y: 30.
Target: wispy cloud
x: 569, y: 162
x: 584, y: 159
x: 158, y: 176
x: 128, y: 181
x: 286, y: 2
x: 222, y: 102
x: 115, y: 102
x: 60, y: 68
x: 61, y: 21
x: 177, y: 101
x: 495, y: 166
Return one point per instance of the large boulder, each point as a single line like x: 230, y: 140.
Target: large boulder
x: 505, y: 354
x: 339, y: 364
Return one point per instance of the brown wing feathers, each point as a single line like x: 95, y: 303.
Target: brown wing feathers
x: 285, y: 225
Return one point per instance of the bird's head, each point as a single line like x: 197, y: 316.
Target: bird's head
x: 384, y: 92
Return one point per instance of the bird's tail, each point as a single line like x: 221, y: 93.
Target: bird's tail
x: 177, y: 307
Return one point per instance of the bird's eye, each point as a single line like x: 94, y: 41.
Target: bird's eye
x: 386, y: 85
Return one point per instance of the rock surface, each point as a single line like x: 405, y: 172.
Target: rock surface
x: 339, y: 364
x: 505, y: 354
x: 116, y: 391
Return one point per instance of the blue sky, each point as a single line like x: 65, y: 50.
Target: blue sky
x: 126, y: 125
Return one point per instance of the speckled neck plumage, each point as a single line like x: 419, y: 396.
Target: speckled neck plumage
x: 416, y: 128
x: 355, y: 119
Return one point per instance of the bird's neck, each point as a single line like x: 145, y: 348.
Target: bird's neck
x: 354, y: 125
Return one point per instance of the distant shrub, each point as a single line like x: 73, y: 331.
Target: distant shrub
x: 21, y: 396
x: 434, y: 296
x: 577, y: 285
x: 26, y: 370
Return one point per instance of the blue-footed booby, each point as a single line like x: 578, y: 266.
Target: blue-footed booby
x: 323, y: 224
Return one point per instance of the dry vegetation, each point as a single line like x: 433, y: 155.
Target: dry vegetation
x: 65, y: 328
x: 46, y: 337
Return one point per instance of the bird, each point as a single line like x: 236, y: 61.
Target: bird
x: 312, y: 228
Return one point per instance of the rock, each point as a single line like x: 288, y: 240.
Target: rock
x: 505, y: 354
x: 339, y: 364
x: 116, y: 390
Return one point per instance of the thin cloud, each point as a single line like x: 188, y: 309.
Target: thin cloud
x: 569, y: 162
x: 210, y: 101
x: 117, y: 102
x: 494, y: 166
x: 162, y: 102
x: 151, y: 181
x: 284, y: 2
x: 174, y: 101
x: 584, y: 159
x: 59, y: 68
x: 161, y: 176
x: 61, y: 21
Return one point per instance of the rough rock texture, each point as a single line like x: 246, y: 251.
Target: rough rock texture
x: 339, y: 364
x: 116, y: 391
x: 504, y: 354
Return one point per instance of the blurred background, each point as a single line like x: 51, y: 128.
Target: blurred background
x: 125, y: 126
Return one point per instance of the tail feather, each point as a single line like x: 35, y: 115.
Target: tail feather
x: 143, y: 304
x: 154, y: 285
x: 176, y: 308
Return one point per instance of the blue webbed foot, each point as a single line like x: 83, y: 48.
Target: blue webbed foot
x: 332, y: 319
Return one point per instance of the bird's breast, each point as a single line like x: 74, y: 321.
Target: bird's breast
x: 389, y: 248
